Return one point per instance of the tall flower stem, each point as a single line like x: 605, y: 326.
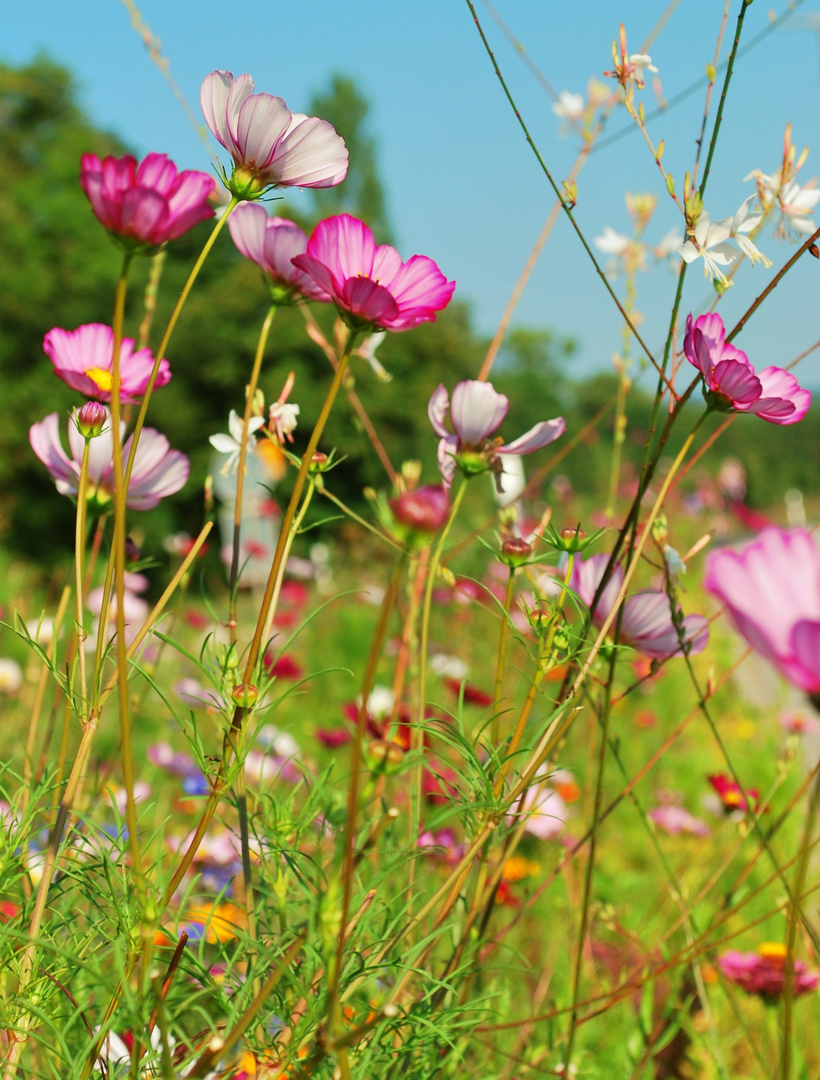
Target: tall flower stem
x: 501, y: 661
x: 240, y: 473
x: 292, y: 533
x: 79, y: 553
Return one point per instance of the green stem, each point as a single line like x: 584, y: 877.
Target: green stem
x: 240, y: 474
x: 502, y: 656
x: 79, y: 552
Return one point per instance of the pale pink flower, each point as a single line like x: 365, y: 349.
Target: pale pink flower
x: 368, y: 282
x: 145, y: 205
x: 82, y: 358
x: 272, y: 242
x: 730, y: 381
x: 646, y: 623
x: 544, y: 809
x: 771, y: 587
x: 476, y: 412
x: 268, y: 143
x: 676, y: 820
x: 158, y: 470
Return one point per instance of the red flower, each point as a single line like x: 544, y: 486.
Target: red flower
x: 472, y: 694
x: 731, y: 796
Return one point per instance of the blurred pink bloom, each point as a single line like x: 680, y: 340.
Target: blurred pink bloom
x: 82, y: 358
x: 676, y: 820
x: 425, y: 509
x: 272, y: 242
x: 158, y: 470
x: 730, y: 381
x: 476, y: 412
x: 732, y: 799
x: 799, y: 723
x: 647, y: 621
x: 442, y: 846
x: 145, y: 205
x: 369, y: 284
x: 764, y: 972
x: 268, y: 143
x: 544, y: 809
x: 771, y: 587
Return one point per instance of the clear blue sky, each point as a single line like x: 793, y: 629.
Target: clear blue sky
x: 463, y: 187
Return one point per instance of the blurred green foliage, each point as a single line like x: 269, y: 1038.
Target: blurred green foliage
x: 59, y: 269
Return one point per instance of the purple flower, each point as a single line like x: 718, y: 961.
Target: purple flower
x: 82, y: 358
x: 158, y: 470
x: 731, y: 383
x: 272, y: 243
x: 369, y: 284
x: 145, y: 205
x: 646, y: 623
x: 771, y: 587
x: 268, y: 143
x: 476, y: 412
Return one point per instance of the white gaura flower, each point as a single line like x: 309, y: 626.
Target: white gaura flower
x: 796, y: 204
x: 628, y: 255
x: 11, y: 676
x: 669, y: 247
x: 711, y: 243
x: 570, y: 106
x: 232, y: 444
x: 745, y: 221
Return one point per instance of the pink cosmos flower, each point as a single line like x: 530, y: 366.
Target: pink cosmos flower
x: 268, y: 143
x: 764, y: 972
x: 676, y: 820
x: 476, y: 412
x: 272, y: 242
x: 730, y: 381
x: 158, y: 470
x: 732, y: 799
x: 145, y: 205
x: 647, y: 622
x: 82, y: 359
x: 771, y: 587
x: 544, y: 809
x: 368, y: 282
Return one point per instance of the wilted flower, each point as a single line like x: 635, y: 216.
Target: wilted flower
x: 764, y: 972
x: 82, y: 358
x: 731, y: 383
x: 646, y: 623
x: 771, y: 587
x: 369, y: 284
x: 158, y: 470
x: 476, y: 413
x: 146, y: 205
x: 272, y: 242
x: 269, y: 144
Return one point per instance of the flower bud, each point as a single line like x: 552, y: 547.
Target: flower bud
x: 515, y: 551
x: 383, y: 756
x: 245, y: 695
x: 424, y: 510
x: 91, y: 419
x: 132, y: 551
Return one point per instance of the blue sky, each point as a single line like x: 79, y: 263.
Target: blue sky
x: 462, y: 184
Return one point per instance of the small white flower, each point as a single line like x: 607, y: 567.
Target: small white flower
x: 283, y: 417
x: 41, y: 630
x: 11, y: 676
x: 367, y: 351
x: 570, y: 106
x: 669, y: 247
x: 380, y: 703
x: 232, y: 444
x: 449, y: 667
x: 746, y: 220
x: 711, y: 243
x: 796, y: 204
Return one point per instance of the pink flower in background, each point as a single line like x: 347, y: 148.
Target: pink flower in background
x: 771, y: 587
x: 732, y: 799
x: 676, y: 820
x: 544, y: 809
x: 145, y: 205
x: 730, y: 381
x: 476, y: 412
x: 158, y: 470
x: 82, y: 358
x: 764, y: 972
x: 268, y: 143
x: 272, y: 242
x: 647, y: 621
x: 368, y: 282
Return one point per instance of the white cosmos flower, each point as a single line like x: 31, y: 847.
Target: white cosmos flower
x: 232, y: 444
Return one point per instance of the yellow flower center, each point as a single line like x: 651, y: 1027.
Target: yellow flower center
x: 101, y: 376
x: 772, y: 950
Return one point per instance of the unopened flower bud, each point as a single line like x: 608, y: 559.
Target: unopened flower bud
x: 91, y: 419
x: 245, y: 695
x: 411, y: 473
x: 383, y: 756
x: 132, y: 551
x: 515, y: 551
x: 318, y: 462
x: 424, y: 510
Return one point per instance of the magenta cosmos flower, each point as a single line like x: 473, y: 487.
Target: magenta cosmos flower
x: 369, y: 284
x: 272, y: 243
x: 646, y: 623
x: 730, y: 381
x: 269, y: 144
x: 771, y: 587
x: 764, y: 972
x: 476, y: 412
x: 145, y: 205
x: 82, y: 359
x: 158, y: 470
